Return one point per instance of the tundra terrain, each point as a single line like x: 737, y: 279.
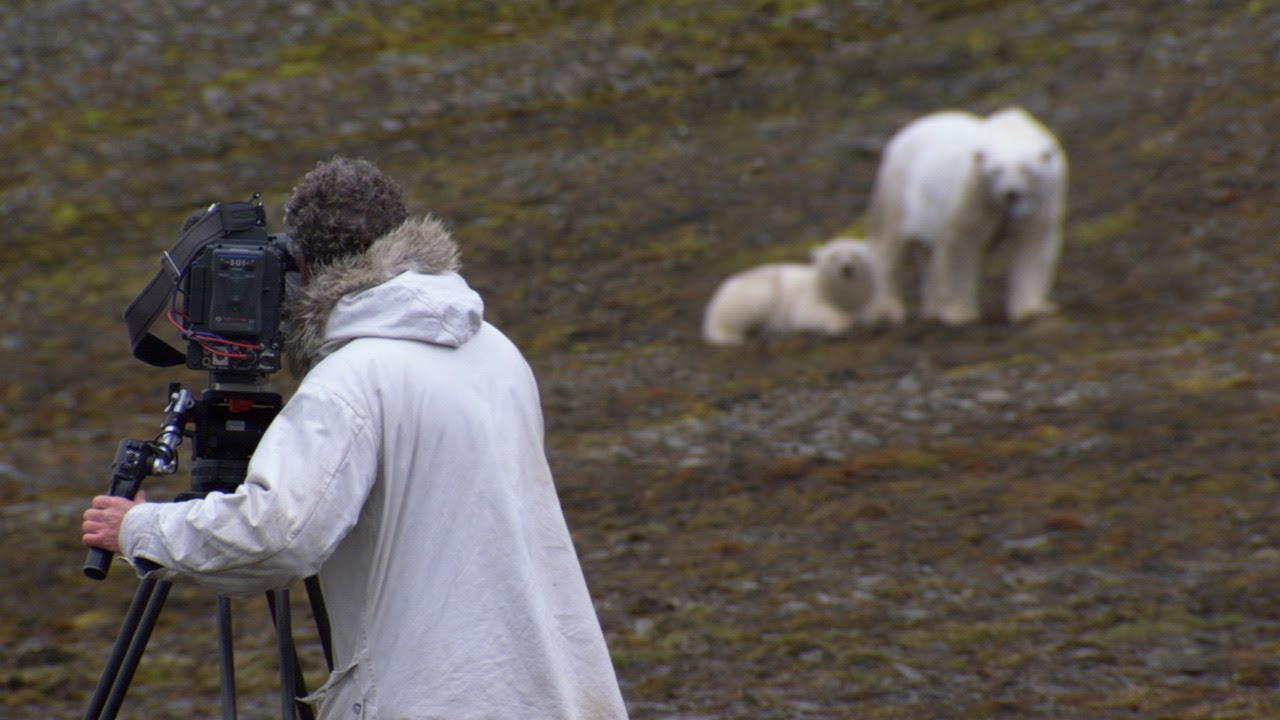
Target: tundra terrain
x: 1072, y: 518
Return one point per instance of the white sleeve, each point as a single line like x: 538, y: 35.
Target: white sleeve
x: 304, y: 490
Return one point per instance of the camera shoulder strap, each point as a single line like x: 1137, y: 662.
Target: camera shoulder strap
x: 149, y: 303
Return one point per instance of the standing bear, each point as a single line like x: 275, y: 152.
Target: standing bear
x: 826, y: 296
x: 959, y: 183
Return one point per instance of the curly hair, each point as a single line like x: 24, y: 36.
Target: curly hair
x: 340, y: 207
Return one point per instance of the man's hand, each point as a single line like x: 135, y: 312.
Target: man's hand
x: 101, y: 526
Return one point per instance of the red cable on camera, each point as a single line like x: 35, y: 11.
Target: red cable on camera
x: 215, y: 344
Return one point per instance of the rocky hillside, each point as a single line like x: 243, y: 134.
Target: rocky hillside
x: 1068, y: 519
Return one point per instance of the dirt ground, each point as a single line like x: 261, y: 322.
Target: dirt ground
x: 1073, y: 518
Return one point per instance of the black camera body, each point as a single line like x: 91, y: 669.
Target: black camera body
x: 224, y: 285
x: 235, y: 290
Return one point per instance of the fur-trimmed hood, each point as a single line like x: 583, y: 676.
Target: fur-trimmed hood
x: 404, y: 286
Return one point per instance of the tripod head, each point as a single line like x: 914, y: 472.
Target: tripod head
x: 229, y: 420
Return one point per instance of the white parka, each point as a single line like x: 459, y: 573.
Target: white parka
x: 408, y: 471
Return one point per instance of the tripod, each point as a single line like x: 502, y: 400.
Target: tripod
x: 229, y: 420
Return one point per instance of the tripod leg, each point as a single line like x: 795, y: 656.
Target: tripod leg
x: 127, y: 630
x: 136, y: 647
x: 288, y: 663
x: 226, y: 660
x: 321, y: 614
x: 292, y: 684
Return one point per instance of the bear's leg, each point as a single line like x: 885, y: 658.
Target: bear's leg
x: 950, y: 292
x: 822, y: 318
x: 721, y: 334
x: 743, y: 304
x: 1031, y: 271
x: 717, y: 331
x: 885, y: 305
x: 735, y: 309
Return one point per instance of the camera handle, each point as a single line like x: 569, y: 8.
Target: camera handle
x: 136, y: 459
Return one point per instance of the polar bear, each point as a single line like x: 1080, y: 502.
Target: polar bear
x: 958, y: 183
x: 826, y: 296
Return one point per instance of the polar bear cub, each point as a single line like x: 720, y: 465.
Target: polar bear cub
x: 826, y: 296
x: 958, y: 183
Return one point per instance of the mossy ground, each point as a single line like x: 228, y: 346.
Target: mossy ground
x: 1096, y: 541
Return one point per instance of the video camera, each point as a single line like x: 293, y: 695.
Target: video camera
x: 235, y: 290
x: 233, y: 278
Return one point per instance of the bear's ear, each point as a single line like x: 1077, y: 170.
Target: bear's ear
x: 1046, y: 156
x: 815, y: 254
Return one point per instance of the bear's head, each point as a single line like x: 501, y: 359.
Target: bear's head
x: 847, y: 272
x: 1013, y: 178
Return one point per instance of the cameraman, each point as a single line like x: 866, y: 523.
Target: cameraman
x: 408, y: 471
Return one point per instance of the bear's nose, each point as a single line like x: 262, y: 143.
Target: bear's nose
x: 846, y: 270
x: 1011, y: 196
